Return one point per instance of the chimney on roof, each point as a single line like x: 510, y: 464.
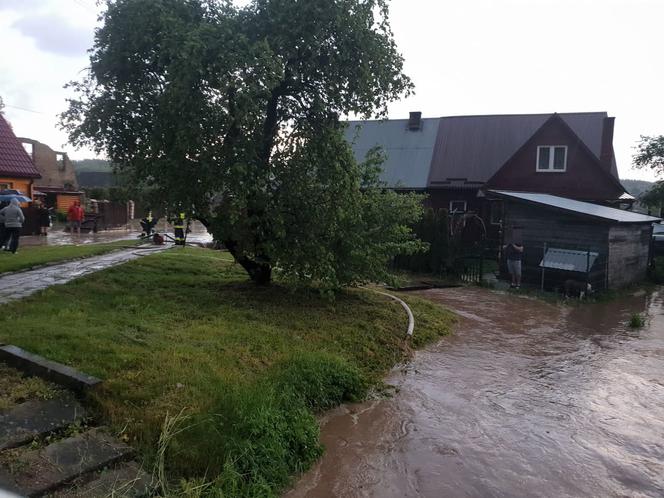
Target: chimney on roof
x: 606, y: 152
x: 415, y: 121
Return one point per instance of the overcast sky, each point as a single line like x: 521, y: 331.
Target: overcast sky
x: 465, y: 57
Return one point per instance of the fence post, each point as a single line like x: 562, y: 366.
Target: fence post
x: 588, y: 266
x: 481, y: 262
x: 543, y: 266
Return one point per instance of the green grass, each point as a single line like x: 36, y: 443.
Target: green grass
x: 30, y: 256
x: 637, y: 321
x: 15, y: 388
x: 250, y: 366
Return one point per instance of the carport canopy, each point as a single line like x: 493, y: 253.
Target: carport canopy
x: 568, y: 260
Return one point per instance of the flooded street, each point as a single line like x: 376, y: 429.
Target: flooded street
x: 526, y: 399
x: 58, y: 236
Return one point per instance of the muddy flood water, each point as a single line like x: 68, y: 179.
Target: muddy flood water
x: 526, y: 399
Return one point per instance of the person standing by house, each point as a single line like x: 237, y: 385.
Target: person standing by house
x: 75, y: 216
x: 514, y: 253
x: 13, y: 218
x: 44, y: 217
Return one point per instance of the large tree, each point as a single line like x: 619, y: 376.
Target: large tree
x: 233, y: 113
x: 650, y: 155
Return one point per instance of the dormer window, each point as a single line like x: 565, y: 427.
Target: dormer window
x: 552, y: 158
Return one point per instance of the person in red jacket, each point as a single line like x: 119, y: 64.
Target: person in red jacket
x: 75, y: 216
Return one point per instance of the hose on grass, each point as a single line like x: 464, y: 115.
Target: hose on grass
x: 411, y: 318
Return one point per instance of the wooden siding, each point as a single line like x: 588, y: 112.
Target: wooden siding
x: 22, y: 184
x: 536, y: 226
x: 624, y: 249
x: 629, y: 252
x: 65, y: 201
x: 584, y: 178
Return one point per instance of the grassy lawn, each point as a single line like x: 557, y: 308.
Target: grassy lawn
x: 29, y: 256
x: 250, y: 366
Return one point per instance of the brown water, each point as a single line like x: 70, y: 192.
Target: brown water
x: 527, y: 399
x: 57, y: 235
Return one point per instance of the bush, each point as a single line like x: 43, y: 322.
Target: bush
x: 263, y: 432
x: 432, y: 229
x: 637, y: 321
x: 321, y: 381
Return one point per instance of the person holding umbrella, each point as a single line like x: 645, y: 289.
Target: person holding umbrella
x: 13, y: 218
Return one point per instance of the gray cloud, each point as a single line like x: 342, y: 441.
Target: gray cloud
x: 21, y: 5
x: 55, y: 34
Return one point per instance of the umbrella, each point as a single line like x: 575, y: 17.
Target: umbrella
x: 20, y: 198
x: 9, y: 194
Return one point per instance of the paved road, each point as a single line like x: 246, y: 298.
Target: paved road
x: 527, y: 399
x: 19, y: 285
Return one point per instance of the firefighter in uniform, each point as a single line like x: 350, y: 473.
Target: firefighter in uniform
x: 178, y: 228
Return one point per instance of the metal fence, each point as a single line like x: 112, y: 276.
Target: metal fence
x: 551, y: 266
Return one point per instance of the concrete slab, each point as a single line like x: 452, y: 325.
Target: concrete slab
x: 127, y: 480
x: 36, y: 472
x: 39, y: 366
x: 35, y: 418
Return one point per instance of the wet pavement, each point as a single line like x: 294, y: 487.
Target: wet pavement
x: 527, y: 399
x: 18, y: 285
x: 57, y: 235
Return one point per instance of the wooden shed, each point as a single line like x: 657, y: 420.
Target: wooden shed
x: 617, y: 242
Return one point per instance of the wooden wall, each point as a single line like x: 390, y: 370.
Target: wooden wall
x: 65, y: 201
x: 536, y: 226
x: 624, y: 249
x: 629, y: 252
x: 24, y: 185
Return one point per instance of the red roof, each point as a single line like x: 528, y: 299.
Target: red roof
x: 14, y: 160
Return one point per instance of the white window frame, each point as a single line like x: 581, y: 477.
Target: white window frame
x: 552, y: 153
x: 465, y: 207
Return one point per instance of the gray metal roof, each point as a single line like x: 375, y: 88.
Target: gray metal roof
x: 579, y: 207
x: 459, y: 148
x: 569, y: 260
x: 408, y: 152
x: 476, y: 147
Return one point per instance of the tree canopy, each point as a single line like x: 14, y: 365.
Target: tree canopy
x: 650, y: 154
x: 234, y: 115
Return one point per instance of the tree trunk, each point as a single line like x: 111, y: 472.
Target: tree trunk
x: 259, y: 272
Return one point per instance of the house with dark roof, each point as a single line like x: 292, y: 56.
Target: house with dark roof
x: 456, y: 159
x: 16, y: 168
x: 548, y: 180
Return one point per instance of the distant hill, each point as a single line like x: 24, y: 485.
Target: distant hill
x: 636, y: 187
x: 97, y: 165
x: 94, y: 173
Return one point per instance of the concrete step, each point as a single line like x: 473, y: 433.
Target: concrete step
x: 37, y: 472
x: 35, y: 418
x: 126, y: 480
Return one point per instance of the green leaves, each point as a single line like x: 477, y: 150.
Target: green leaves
x: 650, y: 154
x: 233, y: 114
